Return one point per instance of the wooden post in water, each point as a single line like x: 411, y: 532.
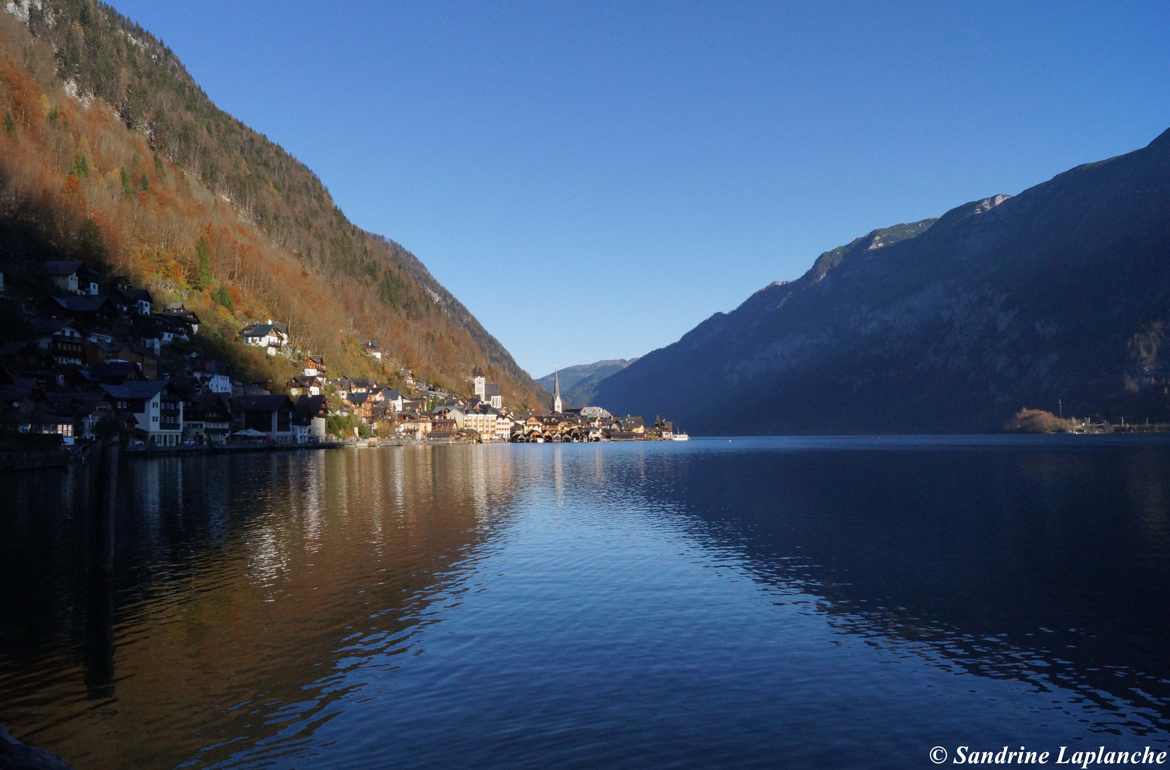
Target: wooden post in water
x: 107, y: 501
x: 99, y: 638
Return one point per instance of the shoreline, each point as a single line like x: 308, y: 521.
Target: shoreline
x: 24, y: 460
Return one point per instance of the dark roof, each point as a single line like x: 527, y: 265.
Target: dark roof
x: 261, y: 403
x: 183, y: 315
x: 390, y: 394
x: 114, y: 372
x: 147, y: 328
x: 171, y: 322
x: 491, y: 389
x: 357, y: 399
x: 135, y: 389
x: 133, y: 295
x: 74, y: 402
x: 61, y: 267
x: 179, y: 310
x: 308, y: 407
x: 42, y: 416
x: 211, y: 407
x: 47, y: 326
x: 80, y: 304
x: 256, y: 330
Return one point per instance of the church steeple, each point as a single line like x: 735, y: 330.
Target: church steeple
x: 557, y: 392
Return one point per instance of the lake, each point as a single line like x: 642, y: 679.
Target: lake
x: 746, y: 602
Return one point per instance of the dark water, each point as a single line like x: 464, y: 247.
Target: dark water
x: 771, y: 602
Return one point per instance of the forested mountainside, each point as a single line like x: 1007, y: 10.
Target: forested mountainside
x: 1060, y: 294
x: 111, y: 153
x: 579, y: 383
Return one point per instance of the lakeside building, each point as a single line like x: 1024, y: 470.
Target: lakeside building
x: 90, y: 355
x: 482, y: 422
x: 158, y: 416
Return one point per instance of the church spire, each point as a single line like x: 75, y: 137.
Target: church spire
x: 557, y: 392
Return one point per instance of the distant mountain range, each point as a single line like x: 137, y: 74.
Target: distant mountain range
x: 578, y: 383
x: 1057, y: 296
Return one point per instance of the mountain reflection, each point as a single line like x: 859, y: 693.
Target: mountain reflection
x: 547, y: 605
x: 1043, y: 562
x: 245, y: 587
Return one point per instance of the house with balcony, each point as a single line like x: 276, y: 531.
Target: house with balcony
x: 152, y: 410
x: 59, y: 339
x: 208, y: 420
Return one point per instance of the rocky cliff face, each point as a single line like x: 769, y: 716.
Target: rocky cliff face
x: 1060, y: 292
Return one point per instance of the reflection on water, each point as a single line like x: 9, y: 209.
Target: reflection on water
x: 753, y: 602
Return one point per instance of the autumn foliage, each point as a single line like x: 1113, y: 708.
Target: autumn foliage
x: 149, y: 179
x: 1037, y: 421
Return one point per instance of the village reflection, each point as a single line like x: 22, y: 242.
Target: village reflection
x: 244, y: 588
x: 256, y: 598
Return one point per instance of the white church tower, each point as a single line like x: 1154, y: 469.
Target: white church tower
x: 480, y: 384
x: 557, y: 405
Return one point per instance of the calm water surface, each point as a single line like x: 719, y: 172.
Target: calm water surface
x: 755, y: 602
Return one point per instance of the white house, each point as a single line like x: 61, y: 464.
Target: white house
x: 157, y: 414
x: 218, y: 383
x: 266, y: 335
x: 392, y: 398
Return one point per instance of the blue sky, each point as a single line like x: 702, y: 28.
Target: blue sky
x: 593, y: 179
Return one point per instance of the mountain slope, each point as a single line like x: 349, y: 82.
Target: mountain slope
x: 579, y: 383
x: 100, y: 109
x: 1061, y: 292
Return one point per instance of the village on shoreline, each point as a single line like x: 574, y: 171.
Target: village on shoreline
x: 93, y: 357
